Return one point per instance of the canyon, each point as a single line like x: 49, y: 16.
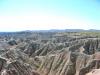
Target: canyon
x: 50, y: 53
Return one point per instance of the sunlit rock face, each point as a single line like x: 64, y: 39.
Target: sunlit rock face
x: 16, y: 68
x: 49, y: 53
x: 14, y: 72
x: 94, y: 72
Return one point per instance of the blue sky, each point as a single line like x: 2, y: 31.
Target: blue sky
x: 17, y: 15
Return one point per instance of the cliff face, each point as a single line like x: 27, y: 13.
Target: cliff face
x: 94, y: 72
x: 49, y: 53
x: 68, y: 63
x: 14, y: 66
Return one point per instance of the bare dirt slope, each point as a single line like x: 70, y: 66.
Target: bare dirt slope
x: 50, y: 53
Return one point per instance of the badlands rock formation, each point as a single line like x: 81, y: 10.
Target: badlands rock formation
x: 50, y: 53
x: 94, y: 72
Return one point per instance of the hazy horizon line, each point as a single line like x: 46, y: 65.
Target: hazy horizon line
x: 50, y: 30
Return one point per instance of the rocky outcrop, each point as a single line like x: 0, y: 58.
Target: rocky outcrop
x: 12, y: 42
x: 49, y: 53
x: 68, y: 63
x: 15, y: 68
x: 94, y: 72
